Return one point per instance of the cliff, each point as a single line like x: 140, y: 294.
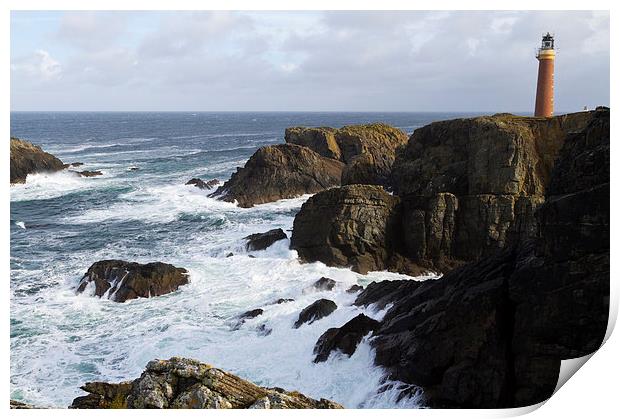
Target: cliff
x: 28, y: 158
x: 181, y: 383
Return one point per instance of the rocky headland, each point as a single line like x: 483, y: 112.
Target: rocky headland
x: 28, y: 158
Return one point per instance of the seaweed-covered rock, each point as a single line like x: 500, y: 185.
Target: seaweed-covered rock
x: 182, y: 383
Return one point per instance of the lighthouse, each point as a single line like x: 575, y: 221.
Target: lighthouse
x: 544, y: 88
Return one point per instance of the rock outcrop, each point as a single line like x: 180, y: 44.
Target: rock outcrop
x: 181, y: 383
x: 261, y: 241
x: 278, y: 172
x: 368, y: 150
x: 471, y: 186
x: 201, y: 184
x: 344, y: 339
x: 348, y: 226
x: 89, y: 173
x: 315, y: 311
x: 121, y: 281
x: 324, y: 284
x: 493, y: 333
x: 28, y: 158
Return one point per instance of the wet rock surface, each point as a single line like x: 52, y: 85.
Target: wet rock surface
x: 201, y: 184
x: 278, y: 172
x: 344, y: 339
x: 261, y: 241
x: 89, y: 173
x: 324, y: 284
x: 120, y: 281
x: 181, y: 383
x: 315, y: 311
x: 28, y: 158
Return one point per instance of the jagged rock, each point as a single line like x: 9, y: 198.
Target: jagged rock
x: 471, y: 186
x: 89, y: 173
x: 355, y: 288
x: 368, y: 150
x: 283, y: 300
x: 278, y: 172
x: 201, y: 184
x: 120, y: 281
x: 492, y: 333
x: 229, y: 255
x: 251, y: 314
x: 261, y: 241
x: 181, y: 383
x: 324, y: 284
x: 345, y: 338
x: 28, y: 158
x: 348, y: 226
x: 315, y: 311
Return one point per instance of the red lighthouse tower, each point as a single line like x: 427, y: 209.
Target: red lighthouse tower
x: 544, y: 89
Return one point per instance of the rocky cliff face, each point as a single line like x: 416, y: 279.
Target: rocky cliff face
x: 367, y: 150
x: 493, y: 333
x: 471, y: 186
x: 278, y: 172
x: 28, y: 158
x: 181, y: 383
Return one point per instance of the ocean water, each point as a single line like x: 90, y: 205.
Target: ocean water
x: 61, y: 224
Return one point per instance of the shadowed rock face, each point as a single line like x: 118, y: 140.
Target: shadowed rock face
x: 28, y: 158
x: 347, y: 226
x: 315, y: 311
x: 121, y: 281
x: 493, y: 333
x: 344, y: 339
x: 181, y: 383
x: 278, y: 172
x: 261, y: 241
x: 368, y: 150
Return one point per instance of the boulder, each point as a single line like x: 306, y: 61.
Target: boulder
x: 368, y: 150
x: 348, y: 226
x: 89, y: 173
x: 344, y: 339
x: 119, y: 280
x: 251, y: 314
x: 492, y: 333
x: 28, y: 158
x: 278, y: 172
x: 182, y: 383
x: 283, y: 300
x: 261, y: 241
x: 315, y: 311
x: 355, y: 288
x: 201, y: 184
x: 324, y: 284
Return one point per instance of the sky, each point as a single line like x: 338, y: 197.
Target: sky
x: 474, y: 61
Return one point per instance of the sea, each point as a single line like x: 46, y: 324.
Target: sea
x: 61, y: 223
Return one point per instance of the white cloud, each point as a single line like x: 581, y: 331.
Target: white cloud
x: 39, y: 66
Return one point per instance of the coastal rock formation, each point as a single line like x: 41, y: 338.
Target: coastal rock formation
x: 344, y: 339
x: 315, y: 311
x: 324, y: 284
x: 368, y: 150
x: 201, y: 184
x: 181, y: 383
x: 89, y: 173
x: 278, y: 172
x: 348, y: 226
x: 121, y: 281
x: 28, y: 158
x: 471, y: 186
x: 493, y: 333
x: 261, y: 241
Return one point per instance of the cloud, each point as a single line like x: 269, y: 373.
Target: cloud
x: 39, y: 66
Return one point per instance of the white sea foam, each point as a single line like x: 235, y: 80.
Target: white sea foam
x: 53, y: 185
x: 20, y: 224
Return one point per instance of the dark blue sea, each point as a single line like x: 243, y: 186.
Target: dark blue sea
x: 62, y: 223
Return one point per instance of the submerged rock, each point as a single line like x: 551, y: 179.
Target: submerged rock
x: 315, y: 311
x: 278, y: 172
x: 344, y: 339
x: 119, y: 280
x: 181, y: 383
x: 28, y: 158
x: 324, y: 284
x: 283, y: 300
x: 201, y: 184
x: 261, y: 241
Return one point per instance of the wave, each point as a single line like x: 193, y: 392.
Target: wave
x: 52, y: 185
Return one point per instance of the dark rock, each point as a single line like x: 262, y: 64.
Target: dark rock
x: 368, y: 150
x: 348, y: 226
x: 492, y: 333
x: 315, y: 311
x: 355, y: 288
x: 20, y: 405
x: 199, y: 183
x: 133, y: 169
x: 181, y: 383
x: 28, y: 158
x: 324, y: 284
x: 263, y: 330
x: 89, y: 173
x: 278, y: 172
x: 230, y: 255
x: 251, y: 314
x: 121, y: 281
x: 345, y: 338
x: 76, y: 164
x: 252, y: 256
x: 261, y: 241
x: 283, y: 300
